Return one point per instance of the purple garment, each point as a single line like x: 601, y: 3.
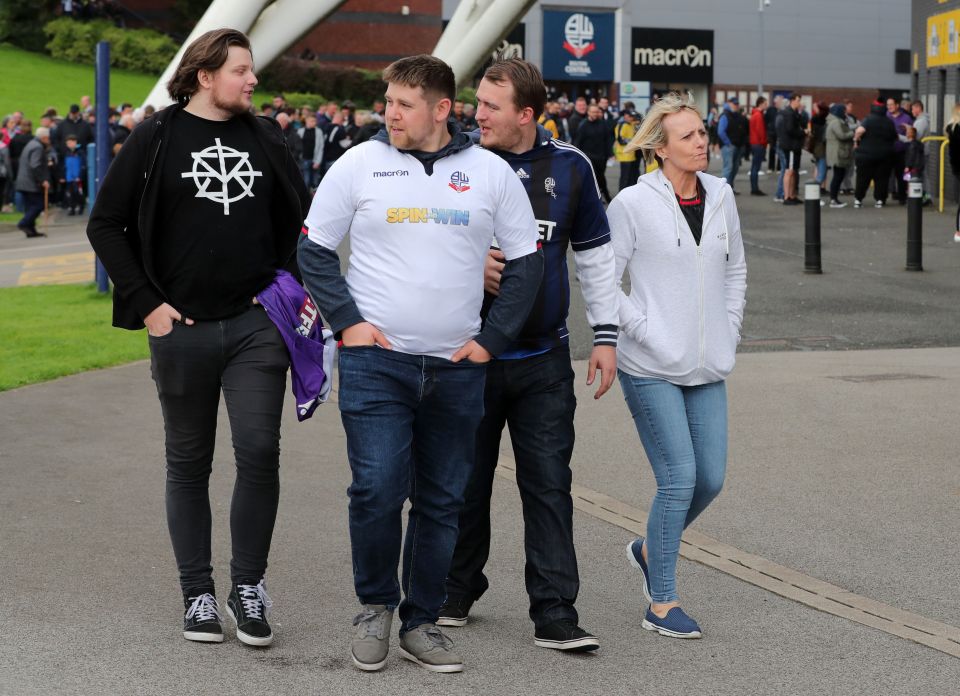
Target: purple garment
x: 297, y: 318
x: 901, y: 121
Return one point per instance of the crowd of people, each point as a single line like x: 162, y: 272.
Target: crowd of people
x: 47, y: 165
x: 884, y: 148
x: 452, y: 326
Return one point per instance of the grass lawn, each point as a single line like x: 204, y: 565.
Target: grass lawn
x: 10, y: 217
x: 54, y: 330
x: 31, y: 82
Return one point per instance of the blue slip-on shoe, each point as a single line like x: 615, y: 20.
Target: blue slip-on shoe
x: 635, y: 556
x: 676, y: 624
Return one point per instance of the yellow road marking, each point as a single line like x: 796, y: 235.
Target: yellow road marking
x: 57, y: 270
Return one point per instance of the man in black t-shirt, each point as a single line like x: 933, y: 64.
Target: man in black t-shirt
x: 200, y: 208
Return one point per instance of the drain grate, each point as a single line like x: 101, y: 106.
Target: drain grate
x: 780, y: 580
x: 886, y: 377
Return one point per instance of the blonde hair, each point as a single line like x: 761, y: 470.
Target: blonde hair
x: 955, y: 119
x: 651, y: 134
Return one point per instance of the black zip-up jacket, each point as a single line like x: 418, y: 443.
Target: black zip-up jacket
x: 876, y: 144
x: 789, y: 130
x: 594, y: 139
x: 121, y: 225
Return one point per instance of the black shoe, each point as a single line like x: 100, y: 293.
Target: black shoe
x: 565, y: 635
x: 247, y: 605
x: 34, y: 233
x: 792, y: 201
x: 201, y: 619
x: 757, y: 192
x: 454, y: 612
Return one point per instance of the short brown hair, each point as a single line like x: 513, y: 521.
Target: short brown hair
x: 528, y: 88
x: 208, y: 52
x: 430, y: 74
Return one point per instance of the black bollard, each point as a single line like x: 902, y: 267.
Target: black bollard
x: 811, y: 217
x: 914, y: 226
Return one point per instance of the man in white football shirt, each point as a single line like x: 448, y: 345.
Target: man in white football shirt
x: 421, y: 204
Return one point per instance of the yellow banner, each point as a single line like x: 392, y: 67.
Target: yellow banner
x: 943, y: 39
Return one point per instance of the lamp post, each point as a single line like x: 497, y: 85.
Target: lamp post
x: 760, y: 5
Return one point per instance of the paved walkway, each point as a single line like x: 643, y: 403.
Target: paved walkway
x: 828, y: 564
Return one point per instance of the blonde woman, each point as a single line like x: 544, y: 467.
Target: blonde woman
x: 677, y: 234
x: 953, y: 136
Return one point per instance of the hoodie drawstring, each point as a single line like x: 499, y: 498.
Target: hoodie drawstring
x: 676, y: 218
x: 726, y: 230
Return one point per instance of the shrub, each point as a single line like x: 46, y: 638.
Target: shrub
x: 298, y: 99
x: 336, y: 82
x: 142, y: 50
x: 468, y: 95
x: 21, y: 23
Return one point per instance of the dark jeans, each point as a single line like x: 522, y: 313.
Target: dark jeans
x: 73, y: 197
x: 899, y: 162
x: 246, y: 359
x: 774, y: 160
x: 837, y: 181
x: 600, y: 171
x: 758, y: 153
x: 629, y: 173
x: 410, y: 422
x: 534, y: 398
x: 32, y: 207
x: 876, y: 171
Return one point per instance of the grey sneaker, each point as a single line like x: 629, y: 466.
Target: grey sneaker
x: 372, y: 639
x: 428, y: 647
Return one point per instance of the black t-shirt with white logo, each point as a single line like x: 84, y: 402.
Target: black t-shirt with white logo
x: 214, y: 246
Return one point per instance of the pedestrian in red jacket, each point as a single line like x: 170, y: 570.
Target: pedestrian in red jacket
x: 758, y: 144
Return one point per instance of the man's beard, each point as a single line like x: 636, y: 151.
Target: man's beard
x: 235, y: 107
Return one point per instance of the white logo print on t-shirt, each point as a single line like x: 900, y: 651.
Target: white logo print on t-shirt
x: 222, y: 164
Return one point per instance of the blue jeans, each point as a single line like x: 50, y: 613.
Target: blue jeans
x: 732, y: 155
x: 821, y: 171
x: 758, y: 155
x: 684, y: 433
x: 534, y: 397
x: 782, y: 158
x: 410, y: 422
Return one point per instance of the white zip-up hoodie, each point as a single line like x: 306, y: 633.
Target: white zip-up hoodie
x: 681, y: 321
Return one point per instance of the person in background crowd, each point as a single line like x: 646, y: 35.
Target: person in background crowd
x: 548, y: 121
x: 713, y: 116
x: 350, y: 125
x: 469, y: 117
x: 33, y: 179
x: 839, y: 150
x: 325, y: 118
x: 378, y: 111
x: 789, y: 150
x: 336, y: 142
x: 852, y: 122
x: 758, y: 144
x: 73, y: 168
x: 733, y: 129
x: 914, y: 159
x: 623, y: 133
x: 371, y: 125
x: 953, y: 154
x: 312, y: 142
x: 770, y: 120
x: 23, y: 136
x: 595, y: 141
x: 578, y: 116
x: 676, y: 230
x: 818, y: 130
x: 266, y: 109
x: 922, y: 123
x: 6, y: 175
x: 294, y: 144
x: 279, y: 104
x: 875, y: 139
x: 86, y: 108
x: 900, y: 118
x: 188, y: 268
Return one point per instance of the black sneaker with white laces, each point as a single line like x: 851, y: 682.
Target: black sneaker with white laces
x: 247, y: 605
x: 201, y: 618
x: 454, y: 612
x: 565, y: 635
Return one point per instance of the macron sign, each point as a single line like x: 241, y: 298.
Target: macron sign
x: 672, y: 55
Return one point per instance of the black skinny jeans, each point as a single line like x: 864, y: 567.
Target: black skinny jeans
x: 837, y: 181
x: 245, y: 357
